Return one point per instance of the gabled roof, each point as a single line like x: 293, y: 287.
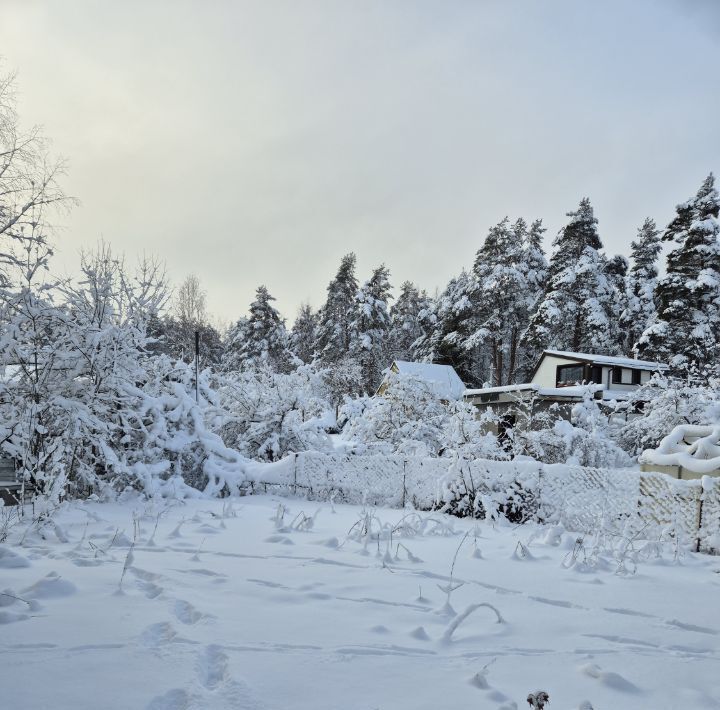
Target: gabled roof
x: 444, y: 380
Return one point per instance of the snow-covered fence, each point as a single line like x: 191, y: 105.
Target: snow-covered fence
x: 582, y: 499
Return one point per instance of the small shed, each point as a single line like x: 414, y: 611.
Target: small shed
x: 442, y: 379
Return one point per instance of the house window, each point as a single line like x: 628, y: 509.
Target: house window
x: 636, y: 377
x: 569, y: 375
x: 625, y: 376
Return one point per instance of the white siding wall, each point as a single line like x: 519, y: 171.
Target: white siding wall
x: 547, y: 372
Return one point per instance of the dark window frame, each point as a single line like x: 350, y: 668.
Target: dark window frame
x: 616, y: 377
x: 559, y: 382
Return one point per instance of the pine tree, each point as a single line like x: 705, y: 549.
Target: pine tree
x: 304, y: 333
x: 535, y: 269
x: 338, y: 313
x: 499, y: 299
x: 640, y: 284
x: 616, y: 269
x: 405, y: 320
x: 260, y: 339
x: 448, y: 325
x: 574, y: 312
x: 371, y: 327
x: 686, y: 330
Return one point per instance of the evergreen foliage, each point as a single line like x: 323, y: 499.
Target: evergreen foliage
x: 575, y: 311
x: 640, y: 285
x: 337, y: 315
x: 370, y: 343
x: 686, y: 330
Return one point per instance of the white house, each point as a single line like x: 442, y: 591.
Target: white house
x: 559, y: 379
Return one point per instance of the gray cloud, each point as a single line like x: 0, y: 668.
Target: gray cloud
x: 257, y: 142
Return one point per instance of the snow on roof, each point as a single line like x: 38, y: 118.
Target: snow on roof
x: 443, y: 378
x: 628, y: 362
x: 695, y: 448
x: 500, y: 390
x: 576, y: 392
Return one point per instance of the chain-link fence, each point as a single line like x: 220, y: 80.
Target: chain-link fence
x: 582, y: 499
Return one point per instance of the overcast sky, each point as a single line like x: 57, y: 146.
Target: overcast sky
x: 257, y: 142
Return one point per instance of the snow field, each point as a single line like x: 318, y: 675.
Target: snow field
x: 262, y: 602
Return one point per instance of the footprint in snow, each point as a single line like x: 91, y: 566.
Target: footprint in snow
x: 609, y: 679
x: 175, y: 699
x: 158, y: 634
x: 186, y: 613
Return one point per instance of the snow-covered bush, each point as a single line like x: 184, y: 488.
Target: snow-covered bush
x: 586, y: 439
x: 411, y: 418
x: 666, y: 402
x: 271, y: 414
x: 408, y: 418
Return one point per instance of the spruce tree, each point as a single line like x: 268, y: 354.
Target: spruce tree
x: 575, y: 310
x: 535, y: 269
x: 640, y: 284
x: 304, y: 333
x: 338, y: 313
x: 686, y: 330
x: 260, y: 339
x: 370, y: 342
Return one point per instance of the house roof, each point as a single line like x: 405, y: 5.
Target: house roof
x: 444, y: 380
x: 630, y: 363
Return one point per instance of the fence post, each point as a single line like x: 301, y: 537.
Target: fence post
x: 699, y: 519
x: 540, y: 511
x: 404, y: 490
x: 295, y: 474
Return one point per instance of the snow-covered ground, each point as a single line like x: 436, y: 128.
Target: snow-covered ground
x: 229, y: 604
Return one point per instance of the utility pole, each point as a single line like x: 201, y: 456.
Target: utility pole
x: 197, y: 365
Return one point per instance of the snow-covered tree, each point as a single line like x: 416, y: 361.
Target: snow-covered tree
x: 534, y: 267
x: 405, y: 318
x: 271, y: 414
x: 686, y: 329
x: 640, y: 284
x: 658, y: 406
x: 175, y: 332
x: 616, y: 270
x: 260, y: 339
x: 500, y: 299
x: 338, y: 314
x: 575, y: 311
x: 370, y: 342
x: 448, y: 324
x: 304, y: 333
x: 410, y: 418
